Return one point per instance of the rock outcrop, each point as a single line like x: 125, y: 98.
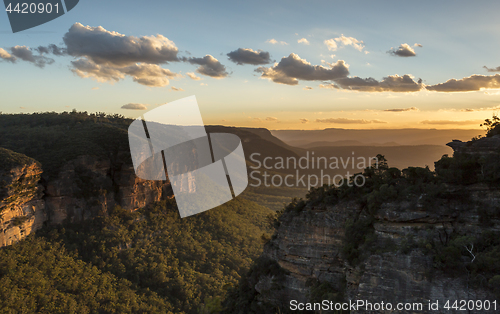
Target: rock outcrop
x: 88, y: 186
x: 482, y: 146
x: 22, y: 209
x: 309, y: 245
x: 84, y: 187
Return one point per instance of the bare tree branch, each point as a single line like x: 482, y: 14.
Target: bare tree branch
x: 470, y: 251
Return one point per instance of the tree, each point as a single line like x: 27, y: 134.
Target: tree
x: 492, y: 126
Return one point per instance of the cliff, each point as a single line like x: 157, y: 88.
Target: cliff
x: 406, y: 236
x: 84, y: 187
x: 309, y: 245
x: 21, y: 204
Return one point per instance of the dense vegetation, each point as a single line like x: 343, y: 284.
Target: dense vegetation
x: 151, y: 258
x: 12, y: 159
x: 38, y: 276
x: 54, y: 138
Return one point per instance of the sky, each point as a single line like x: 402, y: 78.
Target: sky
x: 272, y: 64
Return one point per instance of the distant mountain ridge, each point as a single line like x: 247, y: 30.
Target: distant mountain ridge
x: 346, y: 143
x: 371, y: 137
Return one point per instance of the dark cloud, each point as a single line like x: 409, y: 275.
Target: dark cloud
x: 53, y: 49
x: 402, y: 109
x: 24, y: 53
x: 304, y: 120
x: 132, y: 106
x: 348, y: 121
x: 404, y: 50
x: 441, y: 122
x: 112, y: 48
x: 391, y: 83
x: 209, y: 66
x: 497, y: 69
x: 291, y: 69
x: 307, y: 88
x: 249, y: 56
x: 467, y: 84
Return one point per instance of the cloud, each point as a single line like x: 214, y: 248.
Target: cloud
x: 133, y: 106
x: 481, y: 109
x: 24, y: 53
x: 467, y: 84
x: 53, y: 49
x: 274, y: 42
x: 391, y: 83
x: 193, y: 76
x: 307, y: 88
x: 329, y: 86
x: 292, y: 68
x: 348, y: 121
x: 249, y: 56
x: 303, y: 41
x: 304, y: 120
x: 112, y: 48
x: 7, y: 56
x: 95, y: 88
x: 272, y: 119
x: 404, y: 50
x: 464, y: 122
x: 333, y: 44
x: 497, y: 69
x: 149, y: 74
x: 209, y: 66
x: 402, y: 109
x: 175, y: 89
x: 146, y: 74
x: 108, y: 56
x: 85, y: 68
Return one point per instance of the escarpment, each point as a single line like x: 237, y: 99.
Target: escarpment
x: 21, y: 203
x: 410, y: 236
x: 84, y: 187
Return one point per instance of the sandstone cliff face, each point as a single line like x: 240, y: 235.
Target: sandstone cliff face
x: 309, y: 246
x: 403, y: 262
x: 84, y: 187
x: 88, y: 186
x: 21, y: 203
